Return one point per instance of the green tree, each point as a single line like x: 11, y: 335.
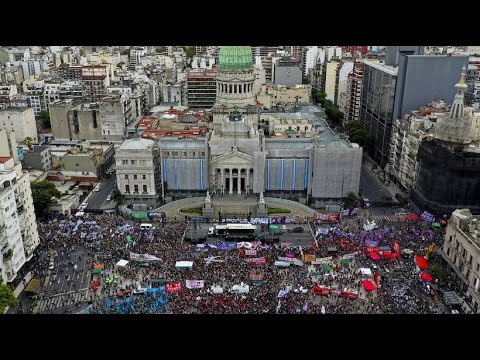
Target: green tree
x: 359, y: 135
x: 29, y: 142
x: 161, y: 49
x: 117, y: 197
x: 7, y: 298
x: 190, y: 51
x: 350, y: 200
x: 126, y: 52
x: 42, y: 193
x: 45, y: 117
x: 438, y: 272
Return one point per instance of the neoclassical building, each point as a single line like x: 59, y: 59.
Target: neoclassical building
x: 288, y: 153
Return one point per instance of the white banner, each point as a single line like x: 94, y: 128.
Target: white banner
x: 251, y: 252
x: 143, y: 257
x: 194, y: 284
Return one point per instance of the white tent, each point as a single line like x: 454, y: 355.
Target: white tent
x: 366, y: 271
x: 184, y: 264
x: 122, y: 263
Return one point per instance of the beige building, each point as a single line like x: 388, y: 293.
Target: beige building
x: 21, y: 121
x: 283, y: 125
x: 66, y: 205
x: 407, y: 134
x: 272, y: 95
x: 138, y: 172
x: 90, y: 160
x: 8, y: 145
x: 461, y: 250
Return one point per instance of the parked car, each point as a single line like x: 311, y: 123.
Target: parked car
x: 51, y: 266
x: 109, y: 197
x: 297, y: 229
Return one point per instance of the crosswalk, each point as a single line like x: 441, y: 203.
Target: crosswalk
x: 386, y: 218
x: 60, y: 301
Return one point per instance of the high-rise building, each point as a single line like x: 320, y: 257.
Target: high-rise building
x: 201, y: 89
x: 404, y: 82
x: 353, y: 92
x: 18, y: 227
x: 95, y: 79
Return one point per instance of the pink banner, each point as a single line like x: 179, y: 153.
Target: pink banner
x: 257, y: 261
x: 194, y: 284
x: 251, y: 252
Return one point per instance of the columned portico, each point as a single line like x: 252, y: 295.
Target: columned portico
x: 233, y: 179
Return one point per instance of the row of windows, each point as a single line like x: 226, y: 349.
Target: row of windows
x: 185, y: 153
x: 133, y: 162
x: 135, y: 177
x: 135, y: 188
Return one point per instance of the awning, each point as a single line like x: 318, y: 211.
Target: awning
x: 374, y: 256
x: 426, y: 276
x: 368, y: 285
x: 33, y: 285
x: 421, y: 262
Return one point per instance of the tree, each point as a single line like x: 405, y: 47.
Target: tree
x: 161, y: 49
x: 45, y: 117
x: 126, y: 52
x: 190, y: 51
x: 350, y: 200
x: 359, y: 135
x: 42, y: 192
x: 7, y: 298
x: 29, y: 142
x: 438, y: 272
x: 117, y: 196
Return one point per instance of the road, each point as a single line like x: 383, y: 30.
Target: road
x: 371, y: 186
x: 98, y: 198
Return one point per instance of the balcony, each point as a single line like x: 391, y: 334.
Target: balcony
x: 7, y: 256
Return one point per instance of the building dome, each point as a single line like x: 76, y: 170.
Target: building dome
x: 235, y: 58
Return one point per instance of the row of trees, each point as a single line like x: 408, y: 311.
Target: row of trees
x: 333, y: 112
x: 359, y: 135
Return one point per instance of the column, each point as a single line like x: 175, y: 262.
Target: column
x: 231, y: 182
x: 222, y: 181
x: 239, y: 181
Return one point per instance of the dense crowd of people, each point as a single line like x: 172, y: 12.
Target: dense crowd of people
x: 109, y: 238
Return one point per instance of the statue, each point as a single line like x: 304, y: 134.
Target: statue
x: 207, y: 199
x: 262, y: 200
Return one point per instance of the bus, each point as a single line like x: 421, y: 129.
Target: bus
x: 233, y: 231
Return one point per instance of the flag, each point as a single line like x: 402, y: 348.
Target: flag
x: 279, y: 305
x: 323, y: 309
x: 315, y: 245
x: 305, y: 307
x: 301, y: 250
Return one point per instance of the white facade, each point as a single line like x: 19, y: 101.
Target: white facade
x: 137, y: 170
x: 51, y: 93
x: 21, y: 122
x: 330, y: 79
x: 461, y: 249
x: 203, y: 62
x: 310, y: 59
x: 344, y: 71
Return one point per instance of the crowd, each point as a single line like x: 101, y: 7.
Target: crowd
x: 109, y: 238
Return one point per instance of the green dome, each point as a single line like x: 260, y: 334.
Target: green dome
x: 235, y: 58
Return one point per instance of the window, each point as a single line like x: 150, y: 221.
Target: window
x: 194, y: 153
x: 144, y: 176
x: 124, y: 162
x: 126, y: 176
x: 448, y: 252
x: 450, y: 239
x: 175, y: 153
x: 144, y: 188
x: 185, y: 153
x: 203, y: 153
x: 132, y: 162
x: 135, y: 177
x: 135, y: 188
x: 478, y: 267
x: 127, y: 188
x: 470, y: 260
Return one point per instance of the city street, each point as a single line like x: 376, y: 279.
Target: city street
x: 98, y: 198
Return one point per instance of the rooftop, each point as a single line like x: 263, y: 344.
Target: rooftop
x: 39, y: 148
x: 4, y: 159
x: 137, y: 144
x: 380, y: 65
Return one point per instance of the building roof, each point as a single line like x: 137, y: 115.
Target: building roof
x: 39, y: 148
x: 137, y: 144
x: 380, y: 65
x: 235, y: 58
